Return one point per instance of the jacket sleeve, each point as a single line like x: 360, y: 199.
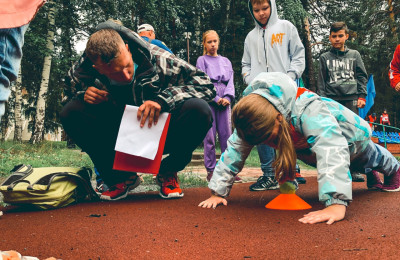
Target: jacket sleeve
x: 394, y: 70
x: 79, y: 77
x: 229, y: 165
x: 322, y: 77
x: 297, y: 55
x: 183, y: 81
x: 361, y: 77
x: 200, y: 64
x: 325, y: 137
x: 229, y: 92
x: 246, y: 64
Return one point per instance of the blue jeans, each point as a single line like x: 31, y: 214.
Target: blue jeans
x: 267, y: 157
x: 11, y: 42
x: 375, y: 157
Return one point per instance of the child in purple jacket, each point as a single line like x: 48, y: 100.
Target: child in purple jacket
x: 219, y: 69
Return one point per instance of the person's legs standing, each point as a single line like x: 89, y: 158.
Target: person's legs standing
x: 267, y: 180
x: 11, y: 42
x: 209, y: 147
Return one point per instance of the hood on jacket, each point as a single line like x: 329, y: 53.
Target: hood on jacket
x: 273, y: 18
x: 339, y: 52
x: 138, y: 47
x: 278, y: 88
x: 141, y: 56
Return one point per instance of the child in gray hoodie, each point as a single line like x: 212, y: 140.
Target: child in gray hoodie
x: 273, y: 45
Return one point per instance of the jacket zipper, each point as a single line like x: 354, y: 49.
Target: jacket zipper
x: 265, y: 50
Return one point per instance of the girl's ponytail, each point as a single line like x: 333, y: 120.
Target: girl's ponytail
x: 285, y: 162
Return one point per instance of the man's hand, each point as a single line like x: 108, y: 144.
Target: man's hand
x: 360, y: 103
x: 149, y: 109
x: 95, y: 96
x: 213, y: 202
x: 397, y: 88
x: 330, y: 214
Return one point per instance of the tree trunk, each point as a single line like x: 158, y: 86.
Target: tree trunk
x: 309, y: 71
x: 18, y: 109
x: 392, y: 22
x: 227, y: 10
x: 37, y: 136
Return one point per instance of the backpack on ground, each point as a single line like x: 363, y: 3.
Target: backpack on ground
x: 47, y: 187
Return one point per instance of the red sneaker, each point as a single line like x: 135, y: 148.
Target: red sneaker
x: 169, y: 186
x: 121, y: 190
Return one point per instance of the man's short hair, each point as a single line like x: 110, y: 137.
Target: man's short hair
x: 145, y: 27
x: 104, y: 45
x: 337, y: 26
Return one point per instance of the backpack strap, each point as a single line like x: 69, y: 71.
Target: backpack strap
x: 16, y: 175
x: 48, y: 179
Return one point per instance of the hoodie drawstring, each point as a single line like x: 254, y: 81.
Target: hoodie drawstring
x: 265, y: 51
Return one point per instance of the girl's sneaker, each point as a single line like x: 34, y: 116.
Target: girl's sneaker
x: 392, y: 182
x: 374, y: 182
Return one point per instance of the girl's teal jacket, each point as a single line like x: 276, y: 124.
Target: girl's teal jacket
x: 335, y: 136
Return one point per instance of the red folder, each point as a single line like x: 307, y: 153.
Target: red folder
x: 132, y: 163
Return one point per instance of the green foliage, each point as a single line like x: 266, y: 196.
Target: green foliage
x: 373, y: 33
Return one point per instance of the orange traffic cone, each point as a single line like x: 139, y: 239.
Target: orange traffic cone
x: 288, y: 200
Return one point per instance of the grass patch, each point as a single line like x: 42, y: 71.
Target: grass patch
x: 45, y: 154
x: 56, y: 154
x: 186, y: 180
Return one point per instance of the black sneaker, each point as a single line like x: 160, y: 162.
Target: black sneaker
x: 357, y: 177
x: 264, y: 183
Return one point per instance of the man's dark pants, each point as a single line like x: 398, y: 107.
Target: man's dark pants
x: 94, y: 128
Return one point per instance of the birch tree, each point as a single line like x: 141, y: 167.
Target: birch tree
x: 37, y: 135
x: 18, y: 121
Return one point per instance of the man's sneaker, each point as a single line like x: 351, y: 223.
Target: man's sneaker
x: 120, y: 190
x: 374, y: 181
x: 264, y: 183
x: 101, y: 187
x: 392, y: 182
x: 169, y: 186
x: 238, y: 179
x: 357, y: 177
x: 209, y: 175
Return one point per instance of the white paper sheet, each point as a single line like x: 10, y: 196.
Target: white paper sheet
x: 138, y: 141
